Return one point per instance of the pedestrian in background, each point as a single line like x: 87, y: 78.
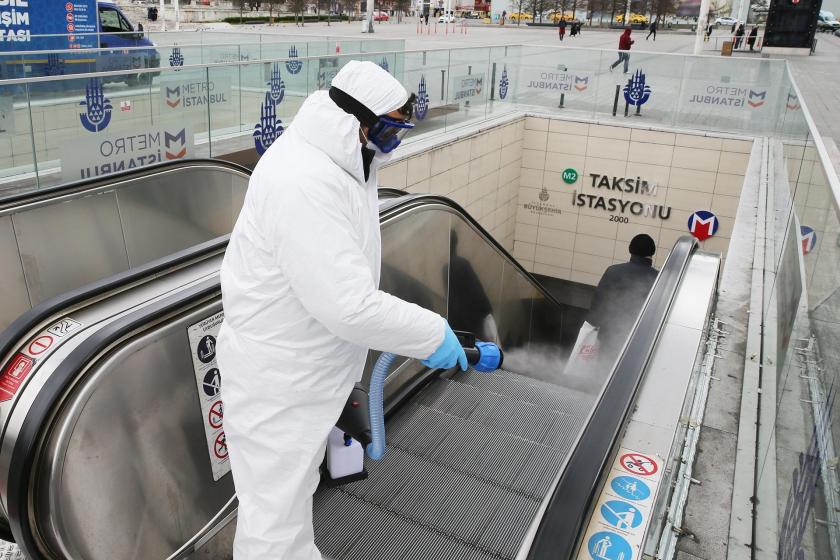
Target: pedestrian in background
x: 709, y: 29
x: 652, y: 29
x: 502, y: 19
x: 739, y: 36
x: 734, y: 27
x: 753, y: 37
x: 562, y: 27
x: 624, y: 44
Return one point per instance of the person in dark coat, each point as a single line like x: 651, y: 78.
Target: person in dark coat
x: 753, y: 36
x: 624, y: 44
x: 652, y: 30
x: 619, y: 297
x: 739, y: 36
x: 562, y: 25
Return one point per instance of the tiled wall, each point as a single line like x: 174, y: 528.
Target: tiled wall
x: 480, y: 172
x: 578, y: 243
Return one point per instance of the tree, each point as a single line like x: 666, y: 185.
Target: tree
x: 298, y: 7
x: 537, y: 7
x: 271, y: 5
x: 400, y: 7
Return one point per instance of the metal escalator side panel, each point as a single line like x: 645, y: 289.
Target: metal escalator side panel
x: 38, y: 430
x: 577, y: 486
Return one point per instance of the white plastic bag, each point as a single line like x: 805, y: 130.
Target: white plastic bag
x: 585, y: 350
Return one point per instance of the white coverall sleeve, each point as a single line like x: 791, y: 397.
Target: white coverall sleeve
x: 330, y: 274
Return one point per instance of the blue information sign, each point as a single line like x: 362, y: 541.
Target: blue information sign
x: 621, y: 515
x: 630, y: 488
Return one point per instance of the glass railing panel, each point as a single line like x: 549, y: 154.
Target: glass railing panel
x: 18, y: 171
x: 468, y: 86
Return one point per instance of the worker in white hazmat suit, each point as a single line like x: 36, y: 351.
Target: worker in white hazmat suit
x: 302, y: 306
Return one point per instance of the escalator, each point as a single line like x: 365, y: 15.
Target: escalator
x: 103, y: 451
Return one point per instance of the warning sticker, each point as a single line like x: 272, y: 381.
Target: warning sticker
x: 208, y: 381
x: 14, y: 375
x: 621, y: 518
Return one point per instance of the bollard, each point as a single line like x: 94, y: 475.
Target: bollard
x: 638, y: 111
x: 435, y: 28
x: 562, y: 100
x: 615, y: 101
x: 626, y: 108
x: 493, y: 83
x: 442, y: 84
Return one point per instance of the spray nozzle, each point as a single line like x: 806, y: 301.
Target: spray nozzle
x: 482, y: 356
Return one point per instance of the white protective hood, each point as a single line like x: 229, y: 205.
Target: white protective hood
x: 302, y: 307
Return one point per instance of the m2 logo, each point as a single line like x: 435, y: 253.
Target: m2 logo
x: 173, y: 96
x: 175, y: 145
x: 582, y: 82
x: 756, y: 98
x: 97, y: 115
x: 293, y: 66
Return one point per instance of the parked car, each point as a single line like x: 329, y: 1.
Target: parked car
x: 554, y: 17
x: 827, y: 22
x: 380, y: 16
x: 634, y: 18
x: 446, y: 18
x: 520, y: 16
x: 473, y: 15
x: 726, y: 21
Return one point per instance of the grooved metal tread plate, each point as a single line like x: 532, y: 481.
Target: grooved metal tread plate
x: 469, y: 461
x: 10, y: 551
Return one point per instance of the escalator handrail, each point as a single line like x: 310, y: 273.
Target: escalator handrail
x: 564, y: 521
x: 30, y: 197
x: 43, y: 407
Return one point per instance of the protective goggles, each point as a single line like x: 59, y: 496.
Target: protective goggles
x: 384, y: 132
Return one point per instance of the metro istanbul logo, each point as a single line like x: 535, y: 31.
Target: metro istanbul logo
x: 808, y: 237
x: 269, y: 128
x: 176, y: 58
x: 581, y: 83
x: 637, y: 92
x: 276, y: 86
x: 504, y: 82
x: 421, y: 106
x: 792, y: 102
x: 703, y: 224
x: 756, y: 98
x: 175, y: 145
x: 98, y: 107
x: 173, y: 96
x: 293, y: 66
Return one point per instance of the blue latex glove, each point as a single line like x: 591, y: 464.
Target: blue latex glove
x: 449, y: 353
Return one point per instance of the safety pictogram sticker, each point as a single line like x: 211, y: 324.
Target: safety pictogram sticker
x: 220, y: 447
x: 638, y: 464
x: 40, y: 344
x: 14, y: 375
x: 64, y: 327
x: 214, y: 417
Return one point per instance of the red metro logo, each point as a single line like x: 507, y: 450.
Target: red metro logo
x: 703, y: 224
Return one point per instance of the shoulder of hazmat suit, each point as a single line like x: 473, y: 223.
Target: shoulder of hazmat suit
x: 302, y: 307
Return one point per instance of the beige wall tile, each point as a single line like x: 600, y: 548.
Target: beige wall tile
x: 590, y: 264
x: 696, y: 158
x: 678, y: 220
x: 689, y: 200
x: 509, y: 173
x: 418, y: 169
x: 525, y: 232
x: 569, y: 127
x: 667, y: 237
x: 608, y: 148
x: 531, y: 178
x: 692, y: 180
x: 591, y: 245
x: 494, y: 139
x: 523, y: 250
x: 626, y: 232
x: 512, y: 132
x: 533, y: 159
x: 725, y: 206
x: 536, y: 123
x: 555, y: 238
x: 460, y: 152
x: 567, y: 221
x: 421, y: 187
x: 559, y: 162
x: 696, y: 141
x: 441, y: 183
x: 567, y: 143
x: 535, y: 139
x: 603, y: 131
x: 441, y: 160
x: 526, y: 217
x: 716, y: 244
x: 460, y: 195
x: 553, y: 271
x: 478, y: 145
x: 601, y: 166
x: 598, y: 225
x: 743, y: 146
x: 460, y: 176
x: 657, y: 154
x: 732, y: 162
x: 510, y: 153
x: 393, y: 175
x: 657, y: 175
x: 652, y: 136
x: 728, y: 184
x: 553, y: 256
